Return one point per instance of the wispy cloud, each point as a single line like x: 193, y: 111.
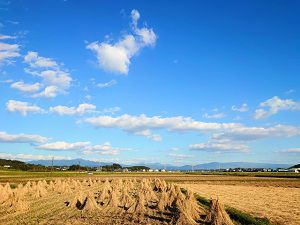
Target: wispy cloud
x: 274, y: 105
x: 28, y: 157
x: 79, y: 110
x: 82, y: 147
x: 107, y: 84
x: 220, y: 146
x: 242, y: 108
x: 8, y: 52
x: 291, y: 150
x: 21, y: 138
x: 26, y: 88
x: 214, y: 115
x: 3, y: 37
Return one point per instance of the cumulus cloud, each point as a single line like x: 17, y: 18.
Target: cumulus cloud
x: 274, y: 105
x: 136, y: 124
x: 79, y: 110
x: 54, y: 80
x: 142, y: 125
x: 21, y: 138
x: 82, y: 147
x: 242, y: 108
x: 27, y: 88
x: 8, y: 52
x: 26, y: 157
x: 22, y: 107
x: 107, y: 84
x: 116, y: 57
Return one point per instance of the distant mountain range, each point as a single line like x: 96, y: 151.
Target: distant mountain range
x: 203, y: 166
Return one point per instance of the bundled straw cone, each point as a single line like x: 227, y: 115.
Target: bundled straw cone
x: 217, y: 214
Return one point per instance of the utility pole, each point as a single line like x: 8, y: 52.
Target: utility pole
x: 51, y: 166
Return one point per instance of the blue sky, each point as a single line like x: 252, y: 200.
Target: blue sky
x: 179, y: 82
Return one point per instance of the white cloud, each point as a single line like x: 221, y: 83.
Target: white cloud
x: 179, y: 156
x: 142, y: 125
x: 214, y: 116
x: 54, y: 80
x: 255, y: 133
x: 104, y: 149
x: 242, y: 108
x: 63, y: 146
x: 260, y: 114
x: 48, y: 92
x: 27, y: 88
x: 8, y: 52
x: 220, y: 146
x: 3, y: 37
x: 274, y: 105
x: 28, y: 157
x: 79, y: 110
x: 237, y: 139
x: 22, y: 107
x: 21, y: 138
x: 111, y: 110
x: 148, y: 134
x: 34, y: 60
x: 82, y: 147
x: 290, y: 91
x: 6, y: 81
x: 88, y: 97
x: 115, y: 57
x: 292, y: 150
x: 107, y: 84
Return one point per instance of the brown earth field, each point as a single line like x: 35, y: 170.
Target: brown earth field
x: 277, y: 199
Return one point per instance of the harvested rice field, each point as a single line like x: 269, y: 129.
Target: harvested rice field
x: 148, y: 199
x: 116, y: 201
x: 280, y: 204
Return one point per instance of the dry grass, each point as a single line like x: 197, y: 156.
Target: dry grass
x: 280, y: 204
x: 116, y: 201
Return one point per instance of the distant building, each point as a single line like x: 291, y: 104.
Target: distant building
x: 294, y: 170
x: 6, y: 166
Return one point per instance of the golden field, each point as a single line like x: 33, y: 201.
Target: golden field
x: 274, y: 198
